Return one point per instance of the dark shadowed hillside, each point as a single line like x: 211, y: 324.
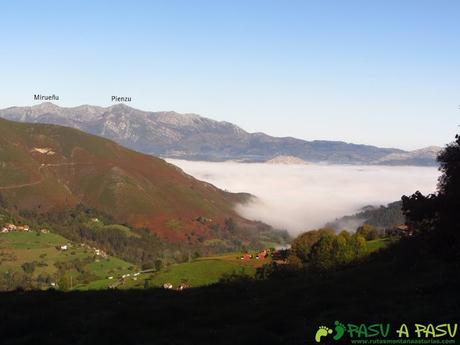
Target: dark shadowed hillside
x: 397, y: 286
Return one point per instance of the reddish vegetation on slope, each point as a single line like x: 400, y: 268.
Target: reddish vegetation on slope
x: 46, y: 167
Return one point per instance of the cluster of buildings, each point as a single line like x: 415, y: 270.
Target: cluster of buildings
x: 97, y: 251
x: 100, y: 252
x: 9, y: 227
x: 279, y: 256
x: 401, y: 230
x: 258, y: 256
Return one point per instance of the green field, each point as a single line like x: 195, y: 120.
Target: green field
x: 208, y: 270
x: 30, y: 240
x: 378, y: 244
x: 19, y: 248
x: 199, y: 272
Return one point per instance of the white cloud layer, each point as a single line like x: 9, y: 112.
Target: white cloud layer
x: 302, y: 197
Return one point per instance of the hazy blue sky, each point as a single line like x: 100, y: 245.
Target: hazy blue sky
x: 377, y: 72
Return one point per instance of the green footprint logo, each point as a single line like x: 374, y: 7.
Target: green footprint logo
x: 339, y: 330
x: 322, y: 332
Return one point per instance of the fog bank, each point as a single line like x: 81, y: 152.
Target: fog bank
x: 302, y: 197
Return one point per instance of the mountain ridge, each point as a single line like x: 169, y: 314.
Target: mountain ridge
x: 191, y: 136
x: 47, y: 168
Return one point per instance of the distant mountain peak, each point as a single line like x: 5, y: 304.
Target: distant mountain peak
x: 428, y: 149
x: 191, y: 136
x: 46, y: 106
x: 423, y: 156
x: 121, y: 106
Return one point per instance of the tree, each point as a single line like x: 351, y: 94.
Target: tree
x: 438, y: 213
x: 358, y: 245
x: 368, y: 232
x: 345, y: 234
x: 449, y: 182
x: 158, y: 265
x: 44, y: 278
x: 343, y: 251
x: 294, y: 262
x: 449, y: 189
x: 266, y: 271
x: 421, y: 211
x: 64, y: 282
x: 332, y: 251
x: 302, y: 245
x: 322, y: 252
x: 230, y: 225
x: 28, y: 267
x: 147, y: 283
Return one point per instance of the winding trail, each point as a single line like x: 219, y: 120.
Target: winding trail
x: 42, y: 178
x: 22, y: 185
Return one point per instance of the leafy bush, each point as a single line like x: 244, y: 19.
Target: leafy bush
x: 28, y: 267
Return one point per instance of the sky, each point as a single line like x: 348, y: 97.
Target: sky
x: 385, y: 73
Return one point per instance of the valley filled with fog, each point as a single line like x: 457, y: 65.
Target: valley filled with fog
x: 303, y: 197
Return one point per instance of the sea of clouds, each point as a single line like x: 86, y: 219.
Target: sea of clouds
x: 303, y: 197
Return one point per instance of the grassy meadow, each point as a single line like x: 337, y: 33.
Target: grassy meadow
x: 42, y: 250
x: 199, y: 272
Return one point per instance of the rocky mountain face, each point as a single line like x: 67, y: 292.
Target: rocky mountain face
x: 190, y: 136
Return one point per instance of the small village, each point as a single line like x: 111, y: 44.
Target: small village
x: 10, y: 227
x: 279, y: 256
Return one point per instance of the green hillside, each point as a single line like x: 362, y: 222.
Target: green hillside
x: 35, y: 260
x: 199, y: 272
x: 47, y: 168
